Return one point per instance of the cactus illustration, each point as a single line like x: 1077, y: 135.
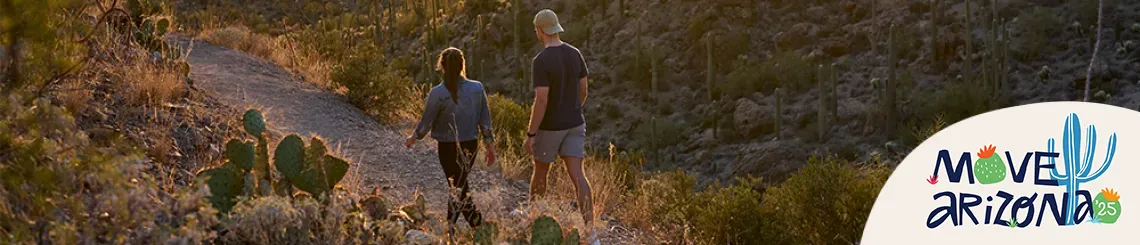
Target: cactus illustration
x: 485, y: 234
x: 225, y: 184
x: 546, y: 231
x: 1106, y: 206
x: 989, y: 168
x: 1078, y: 166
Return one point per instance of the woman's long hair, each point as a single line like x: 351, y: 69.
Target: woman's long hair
x: 451, y: 62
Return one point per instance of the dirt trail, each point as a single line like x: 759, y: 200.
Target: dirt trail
x: 376, y: 151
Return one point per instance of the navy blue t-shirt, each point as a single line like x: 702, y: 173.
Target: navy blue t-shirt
x: 560, y: 68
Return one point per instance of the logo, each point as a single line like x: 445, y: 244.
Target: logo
x: 1046, y: 173
x: 1070, y: 205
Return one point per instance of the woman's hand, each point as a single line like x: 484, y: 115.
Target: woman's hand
x: 490, y: 154
x: 409, y: 142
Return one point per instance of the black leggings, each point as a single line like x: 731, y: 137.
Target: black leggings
x: 457, y: 166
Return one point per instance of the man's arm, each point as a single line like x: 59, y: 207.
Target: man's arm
x: 538, y: 111
x: 583, y: 90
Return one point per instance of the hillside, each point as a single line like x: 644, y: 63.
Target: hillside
x: 758, y: 46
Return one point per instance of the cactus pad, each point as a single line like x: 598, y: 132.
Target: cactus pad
x: 254, y: 122
x: 485, y: 234
x: 546, y: 231
x: 240, y: 153
x: 289, y: 156
x: 261, y: 160
x: 225, y: 184
x: 311, y: 169
x: 376, y: 206
x: 572, y: 238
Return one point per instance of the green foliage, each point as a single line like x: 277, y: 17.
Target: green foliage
x: 546, y: 231
x: 43, y: 52
x: 226, y: 184
x: 669, y: 132
x: 1036, y: 27
x: 733, y: 215
x: 373, y: 85
x: 511, y: 119
x: 699, y: 25
x: 827, y: 201
x: 572, y: 238
x: 786, y: 70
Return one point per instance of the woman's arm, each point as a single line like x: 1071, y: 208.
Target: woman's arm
x: 485, y: 120
x: 427, y: 119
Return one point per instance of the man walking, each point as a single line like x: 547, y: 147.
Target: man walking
x: 557, y: 126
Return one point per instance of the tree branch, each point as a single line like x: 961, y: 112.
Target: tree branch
x: 1096, y: 49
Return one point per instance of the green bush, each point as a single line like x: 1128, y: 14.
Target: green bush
x: 826, y: 202
x: 510, y: 119
x: 373, y: 85
x: 1036, y: 28
x: 734, y: 215
x: 669, y: 132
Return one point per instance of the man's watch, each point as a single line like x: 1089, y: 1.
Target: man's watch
x: 531, y: 135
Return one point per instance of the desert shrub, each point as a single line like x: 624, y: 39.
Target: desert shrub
x: 788, y: 70
x: 668, y: 132
x: 699, y: 25
x: 372, y: 85
x: 50, y: 172
x: 825, y: 202
x: 733, y: 215
x: 662, y: 204
x: 748, y: 77
x: 1035, y: 28
x: 957, y: 101
x: 285, y: 220
x: 510, y: 119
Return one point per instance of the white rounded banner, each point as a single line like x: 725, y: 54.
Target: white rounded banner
x: 1045, y: 173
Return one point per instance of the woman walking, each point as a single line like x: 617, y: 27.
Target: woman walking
x: 457, y: 114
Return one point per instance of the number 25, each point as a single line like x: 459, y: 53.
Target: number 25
x: 1106, y: 208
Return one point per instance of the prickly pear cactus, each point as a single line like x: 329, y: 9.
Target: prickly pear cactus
x: 989, y: 168
x: 572, y: 238
x: 225, y: 184
x: 1106, y: 206
x: 249, y: 184
x: 485, y: 234
x: 376, y: 206
x: 546, y: 231
x: 311, y: 170
x: 241, y: 154
x: 417, y: 211
x: 254, y: 122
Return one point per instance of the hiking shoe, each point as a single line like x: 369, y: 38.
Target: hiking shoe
x: 520, y: 210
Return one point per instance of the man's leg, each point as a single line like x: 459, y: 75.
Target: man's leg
x: 546, y: 147
x: 538, y: 180
x: 582, y: 186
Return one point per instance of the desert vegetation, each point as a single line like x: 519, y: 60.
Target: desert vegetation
x: 711, y: 122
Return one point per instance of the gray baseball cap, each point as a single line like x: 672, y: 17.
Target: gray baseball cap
x: 548, y: 22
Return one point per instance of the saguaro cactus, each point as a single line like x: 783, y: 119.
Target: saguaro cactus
x: 822, y: 120
x: 969, y: 43
x: 889, y: 94
x: 656, y: 102
x: 935, y: 11
x: 779, y: 114
x: 1078, y: 169
x: 709, y: 76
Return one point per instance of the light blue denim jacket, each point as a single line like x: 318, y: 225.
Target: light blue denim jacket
x: 456, y: 122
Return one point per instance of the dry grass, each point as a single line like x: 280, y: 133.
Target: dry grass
x: 282, y: 50
x: 144, y: 83
x: 75, y: 96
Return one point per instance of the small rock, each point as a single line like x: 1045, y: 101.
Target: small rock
x: 749, y: 117
x: 418, y: 237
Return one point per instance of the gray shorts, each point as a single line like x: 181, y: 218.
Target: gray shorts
x: 548, y: 145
